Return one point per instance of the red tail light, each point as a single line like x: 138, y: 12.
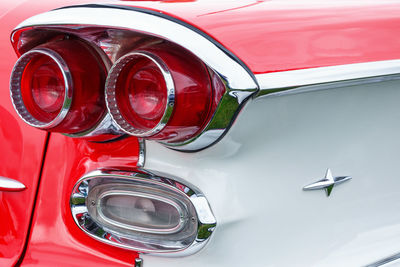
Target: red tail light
x: 59, y: 87
x: 161, y: 93
x: 43, y: 87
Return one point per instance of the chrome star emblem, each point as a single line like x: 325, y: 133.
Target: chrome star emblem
x: 327, y: 183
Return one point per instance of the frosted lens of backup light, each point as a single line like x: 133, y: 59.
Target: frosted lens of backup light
x: 139, y: 212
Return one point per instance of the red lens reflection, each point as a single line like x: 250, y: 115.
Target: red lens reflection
x: 142, y: 83
x: 43, y: 88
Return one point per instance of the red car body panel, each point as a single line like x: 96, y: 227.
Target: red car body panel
x: 270, y: 36
x: 20, y: 158
x: 55, y: 238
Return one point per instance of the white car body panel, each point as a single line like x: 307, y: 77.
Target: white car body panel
x: 253, y: 179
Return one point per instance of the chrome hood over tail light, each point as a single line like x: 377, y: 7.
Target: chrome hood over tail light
x: 202, y: 97
x: 142, y: 212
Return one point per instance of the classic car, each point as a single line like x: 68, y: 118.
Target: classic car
x: 198, y: 133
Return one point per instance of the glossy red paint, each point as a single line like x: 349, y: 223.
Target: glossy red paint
x: 20, y: 157
x: 281, y: 35
x: 21, y: 150
x: 55, y: 238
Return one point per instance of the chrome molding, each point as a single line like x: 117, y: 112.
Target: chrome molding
x: 327, y: 183
x: 10, y: 185
x: 79, y: 202
x: 239, y: 81
x: 138, y: 262
x: 15, y: 88
x: 111, y: 100
x: 299, y: 81
x: 105, y: 126
x: 389, y: 260
x: 142, y: 153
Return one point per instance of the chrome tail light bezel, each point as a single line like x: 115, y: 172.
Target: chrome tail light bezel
x: 15, y: 88
x: 201, y: 215
x: 111, y: 101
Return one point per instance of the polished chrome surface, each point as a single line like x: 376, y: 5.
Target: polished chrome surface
x: 389, y: 260
x: 8, y: 184
x: 111, y: 101
x: 105, y: 126
x: 327, y: 183
x: 142, y: 153
x: 296, y: 81
x: 239, y: 82
x: 15, y: 88
x: 138, y: 262
x: 81, y: 205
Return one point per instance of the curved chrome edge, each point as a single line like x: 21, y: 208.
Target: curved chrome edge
x: 142, y: 153
x: 206, y: 220
x: 298, y: 81
x: 105, y: 126
x: 384, y: 261
x: 138, y: 262
x: 11, y: 185
x: 111, y: 101
x: 15, y: 88
x: 240, y: 83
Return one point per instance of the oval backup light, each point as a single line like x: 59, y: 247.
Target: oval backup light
x: 143, y: 212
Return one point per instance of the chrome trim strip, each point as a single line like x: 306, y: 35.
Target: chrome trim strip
x: 278, y: 83
x: 104, y: 126
x: 11, y: 185
x: 142, y: 153
x: 384, y: 261
x: 138, y: 262
x: 111, y: 101
x: 239, y: 82
x: 15, y: 88
x: 206, y: 221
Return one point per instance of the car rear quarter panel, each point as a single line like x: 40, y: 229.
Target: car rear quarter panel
x: 253, y: 178
x: 55, y: 238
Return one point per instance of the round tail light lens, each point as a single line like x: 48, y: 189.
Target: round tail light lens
x: 46, y: 86
x: 59, y: 87
x: 143, y: 95
x: 40, y: 86
x: 161, y: 93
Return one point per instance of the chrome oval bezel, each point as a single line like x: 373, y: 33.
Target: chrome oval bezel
x: 15, y: 88
x: 204, y: 218
x: 111, y: 101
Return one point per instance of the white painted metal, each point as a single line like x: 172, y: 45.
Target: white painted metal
x: 253, y: 179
